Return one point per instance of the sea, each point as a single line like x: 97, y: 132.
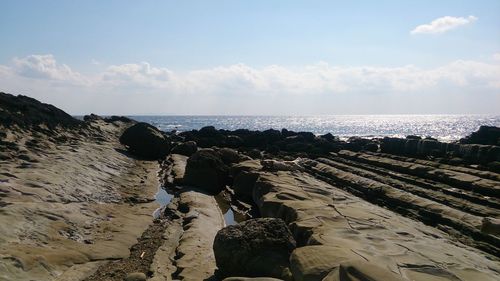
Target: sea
x: 445, y: 128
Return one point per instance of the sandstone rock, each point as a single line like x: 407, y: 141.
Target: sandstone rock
x: 145, y: 141
x: 334, y: 264
x: 135, y: 276
x: 206, y: 170
x: 254, y: 248
x: 491, y: 226
x: 251, y: 279
x: 275, y: 165
x: 186, y: 148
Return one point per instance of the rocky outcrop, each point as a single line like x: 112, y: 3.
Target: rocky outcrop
x: 26, y: 112
x: 185, y: 148
x: 145, y: 141
x: 487, y: 135
x: 206, y: 170
x: 272, y: 141
x: 254, y: 248
x: 340, y: 235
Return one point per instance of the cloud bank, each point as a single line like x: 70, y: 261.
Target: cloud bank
x: 139, y: 88
x: 443, y: 24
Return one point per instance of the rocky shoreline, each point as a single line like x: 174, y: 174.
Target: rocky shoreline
x: 78, y: 197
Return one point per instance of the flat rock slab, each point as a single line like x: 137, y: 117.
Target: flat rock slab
x: 77, y: 202
x: 362, y: 238
x: 201, y: 222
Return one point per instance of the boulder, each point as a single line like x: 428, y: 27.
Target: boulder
x: 233, y: 141
x: 329, y: 137
x: 185, y: 148
x: 206, y: 170
x: 485, y: 135
x: 254, y: 248
x: 251, y: 279
x: 230, y: 156
x: 135, y: 276
x: 145, y: 141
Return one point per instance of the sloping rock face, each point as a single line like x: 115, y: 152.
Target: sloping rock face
x: 24, y: 112
x: 340, y: 235
x: 254, y: 248
x: 145, y: 141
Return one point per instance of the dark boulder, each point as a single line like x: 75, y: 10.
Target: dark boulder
x: 254, y: 248
x: 185, y: 148
x: 233, y: 141
x: 145, y: 141
x: 206, y: 170
x: 329, y: 137
x: 485, y: 135
x: 208, y: 131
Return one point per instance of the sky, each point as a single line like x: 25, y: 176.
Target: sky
x: 254, y: 57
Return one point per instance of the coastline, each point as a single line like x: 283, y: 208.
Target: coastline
x: 77, y: 203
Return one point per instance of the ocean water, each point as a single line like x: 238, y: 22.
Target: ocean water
x: 442, y: 127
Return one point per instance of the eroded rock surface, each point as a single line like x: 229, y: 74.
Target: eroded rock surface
x: 254, y: 248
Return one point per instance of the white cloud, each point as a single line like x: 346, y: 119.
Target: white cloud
x: 45, y: 67
x: 443, y: 24
x: 496, y: 57
x: 146, y: 89
x: 142, y: 74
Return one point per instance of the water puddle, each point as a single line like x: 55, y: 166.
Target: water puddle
x: 229, y: 217
x: 162, y: 197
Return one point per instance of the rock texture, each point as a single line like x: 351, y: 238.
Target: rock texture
x: 70, y: 201
x: 145, y: 141
x: 254, y: 248
x: 339, y: 235
x: 206, y: 170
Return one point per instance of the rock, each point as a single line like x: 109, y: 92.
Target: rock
x: 92, y: 117
x: 243, y: 185
x: 206, y: 170
x: 371, y: 146
x: 328, y: 137
x: 251, y: 279
x: 229, y: 156
x: 233, y: 141
x: 146, y: 141
x: 255, y: 154
x: 26, y: 112
x: 485, y: 135
x: 275, y: 165
x: 208, y: 131
x: 114, y: 118
x: 135, y: 276
x: 491, y: 226
x: 185, y: 148
x: 254, y: 248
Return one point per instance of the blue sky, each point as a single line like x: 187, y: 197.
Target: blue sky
x: 254, y: 57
